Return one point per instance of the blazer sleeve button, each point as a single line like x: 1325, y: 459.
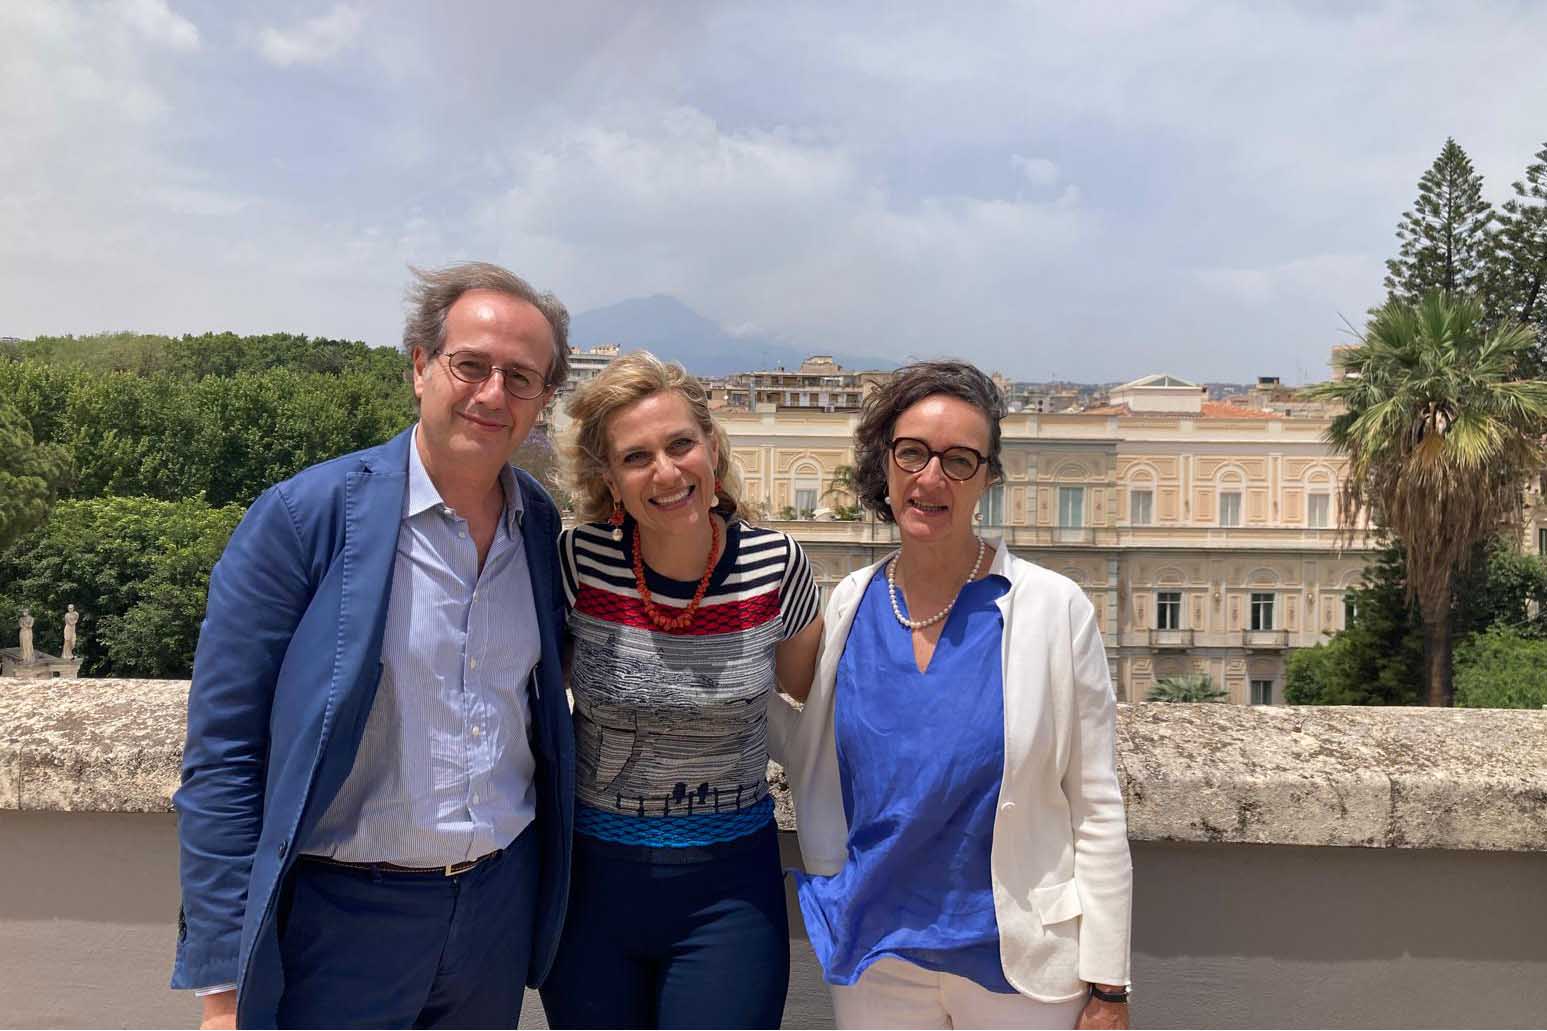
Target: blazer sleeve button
x: 283, y: 846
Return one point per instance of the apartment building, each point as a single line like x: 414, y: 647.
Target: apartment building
x: 820, y: 384
x: 1204, y: 533
x: 586, y: 365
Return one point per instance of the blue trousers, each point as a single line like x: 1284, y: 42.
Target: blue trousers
x: 365, y: 949
x: 671, y: 944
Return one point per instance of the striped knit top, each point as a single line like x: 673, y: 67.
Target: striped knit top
x: 671, y: 735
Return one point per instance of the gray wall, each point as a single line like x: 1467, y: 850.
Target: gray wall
x: 1285, y: 936
x: 1224, y: 935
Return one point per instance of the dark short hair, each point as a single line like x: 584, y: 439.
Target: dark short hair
x: 434, y: 291
x: 908, y: 386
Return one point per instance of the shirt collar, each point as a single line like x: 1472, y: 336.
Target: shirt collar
x: 422, y: 495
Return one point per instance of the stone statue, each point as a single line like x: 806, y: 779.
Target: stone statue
x: 71, y: 617
x: 26, y: 637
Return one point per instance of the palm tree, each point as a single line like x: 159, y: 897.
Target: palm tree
x: 841, y: 486
x: 1189, y: 687
x: 1440, y: 440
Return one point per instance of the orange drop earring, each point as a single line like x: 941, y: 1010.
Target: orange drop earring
x: 616, y: 520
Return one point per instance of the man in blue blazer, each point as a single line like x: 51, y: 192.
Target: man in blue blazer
x: 376, y: 803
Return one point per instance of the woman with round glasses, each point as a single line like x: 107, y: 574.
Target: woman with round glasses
x: 683, y: 620
x: 953, y: 768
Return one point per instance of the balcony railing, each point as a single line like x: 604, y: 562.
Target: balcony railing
x: 1265, y: 639
x: 1170, y: 638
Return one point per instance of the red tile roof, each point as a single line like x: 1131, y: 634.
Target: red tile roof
x: 1221, y: 410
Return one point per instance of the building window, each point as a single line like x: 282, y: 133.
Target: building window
x: 1230, y: 509
x: 1141, y: 507
x: 1262, y: 692
x: 1168, y: 610
x: 1541, y: 540
x: 1071, y: 506
x: 1350, y: 610
x: 1318, y: 510
x: 991, y: 506
x: 805, y: 501
x: 1262, y: 610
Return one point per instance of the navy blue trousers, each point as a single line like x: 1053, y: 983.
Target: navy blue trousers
x: 673, y: 944
x: 383, y: 949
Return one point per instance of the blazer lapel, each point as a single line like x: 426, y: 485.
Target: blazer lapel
x: 373, y: 513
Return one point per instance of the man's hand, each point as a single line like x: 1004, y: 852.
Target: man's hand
x: 220, y: 1011
x: 1098, y: 1014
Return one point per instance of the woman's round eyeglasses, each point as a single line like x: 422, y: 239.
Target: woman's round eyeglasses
x: 958, y: 463
x: 472, y: 367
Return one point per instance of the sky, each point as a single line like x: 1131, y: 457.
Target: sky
x: 1075, y: 191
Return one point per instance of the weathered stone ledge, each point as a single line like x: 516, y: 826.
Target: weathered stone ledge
x: 1383, y: 778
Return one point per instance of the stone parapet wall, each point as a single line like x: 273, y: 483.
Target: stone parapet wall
x: 1461, y: 779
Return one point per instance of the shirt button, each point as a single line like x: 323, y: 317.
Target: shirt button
x: 461, y: 533
x: 472, y: 663
x: 476, y: 732
x: 475, y: 800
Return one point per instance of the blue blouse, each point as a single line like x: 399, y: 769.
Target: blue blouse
x: 920, y: 758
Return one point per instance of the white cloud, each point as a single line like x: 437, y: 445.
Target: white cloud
x: 1319, y: 275
x: 314, y: 40
x: 158, y: 23
x: 1039, y: 172
x: 773, y: 229
x: 857, y: 178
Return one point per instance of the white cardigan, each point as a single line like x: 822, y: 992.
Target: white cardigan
x: 1062, y: 877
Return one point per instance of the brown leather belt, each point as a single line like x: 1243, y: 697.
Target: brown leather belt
x: 450, y: 870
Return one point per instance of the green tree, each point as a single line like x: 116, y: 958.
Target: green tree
x: 171, y: 436
x: 211, y: 354
x: 1378, y: 658
x: 1445, y: 239
x: 538, y: 456
x: 841, y: 485
x: 31, y: 475
x: 1521, y: 256
x: 1189, y: 687
x: 1502, y: 589
x: 1440, y: 441
x: 136, y: 569
x: 841, y: 488
x: 1500, y: 669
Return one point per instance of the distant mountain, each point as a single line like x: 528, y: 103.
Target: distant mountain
x: 672, y: 330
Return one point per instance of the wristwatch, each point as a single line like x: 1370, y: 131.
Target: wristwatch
x: 1121, y: 995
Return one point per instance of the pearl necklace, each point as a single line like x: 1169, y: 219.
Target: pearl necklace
x: 919, y: 624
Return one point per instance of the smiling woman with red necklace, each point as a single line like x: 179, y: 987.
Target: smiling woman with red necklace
x: 953, y: 770
x: 683, y: 621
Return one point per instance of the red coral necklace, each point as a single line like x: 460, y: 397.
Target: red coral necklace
x: 657, y: 617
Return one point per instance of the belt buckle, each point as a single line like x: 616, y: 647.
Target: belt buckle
x: 452, y: 869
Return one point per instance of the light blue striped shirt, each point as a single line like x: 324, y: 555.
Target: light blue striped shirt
x: 445, y: 766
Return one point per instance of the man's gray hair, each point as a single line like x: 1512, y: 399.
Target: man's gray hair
x: 430, y: 298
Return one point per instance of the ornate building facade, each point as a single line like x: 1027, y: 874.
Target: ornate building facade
x: 1205, y: 538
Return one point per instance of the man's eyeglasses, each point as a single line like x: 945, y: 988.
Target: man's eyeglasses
x: 472, y: 367
x: 958, y: 463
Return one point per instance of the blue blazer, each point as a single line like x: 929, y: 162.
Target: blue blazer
x: 286, y: 669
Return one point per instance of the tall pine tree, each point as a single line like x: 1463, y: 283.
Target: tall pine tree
x: 1446, y: 241
x: 1521, y: 261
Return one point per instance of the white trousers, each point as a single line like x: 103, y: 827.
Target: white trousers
x: 893, y: 993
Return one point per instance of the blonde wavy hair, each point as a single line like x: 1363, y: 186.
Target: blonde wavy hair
x: 628, y: 379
